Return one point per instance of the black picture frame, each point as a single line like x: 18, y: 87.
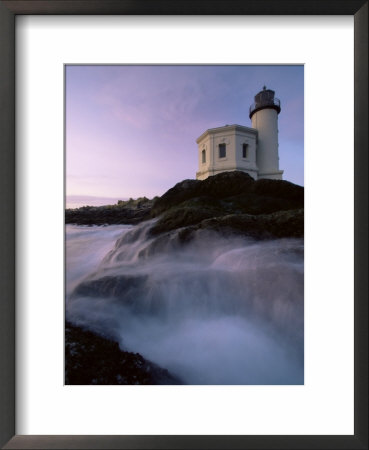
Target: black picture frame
x: 8, y: 11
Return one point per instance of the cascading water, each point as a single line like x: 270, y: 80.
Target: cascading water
x: 215, y: 310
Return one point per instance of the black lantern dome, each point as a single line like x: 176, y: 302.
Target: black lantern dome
x: 265, y: 99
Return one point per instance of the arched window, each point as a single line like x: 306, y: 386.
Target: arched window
x: 203, y: 156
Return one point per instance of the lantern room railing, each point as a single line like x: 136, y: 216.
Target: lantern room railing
x: 270, y: 103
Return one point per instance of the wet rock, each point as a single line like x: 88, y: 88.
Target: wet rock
x: 111, y: 286
x: 281, y: 224
x: 93, y: 359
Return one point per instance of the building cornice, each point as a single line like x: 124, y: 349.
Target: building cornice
x: 212, y: 131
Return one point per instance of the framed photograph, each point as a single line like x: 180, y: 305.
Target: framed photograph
x: 198, y: 267
x: 172, y: 303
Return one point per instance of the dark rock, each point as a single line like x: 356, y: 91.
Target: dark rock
x: 191, y: 202
x: 227, y: 201
x: 130, y: 212
x: 93, y: 359
x: 187, y: 213
x: 107, y: 286
x: 234, y: 189
x: 281, y: 224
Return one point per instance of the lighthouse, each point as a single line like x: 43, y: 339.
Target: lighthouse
x: 264, y: 118
x: 253, y: 150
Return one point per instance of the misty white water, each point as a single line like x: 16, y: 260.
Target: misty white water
x: 215, y: 311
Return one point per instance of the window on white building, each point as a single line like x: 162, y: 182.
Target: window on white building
x: 245, y: 149
x: 222, y: 150
x: 203, y: 156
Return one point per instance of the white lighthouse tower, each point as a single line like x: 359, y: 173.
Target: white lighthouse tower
x: 264, y: 118
x: 237, y: 147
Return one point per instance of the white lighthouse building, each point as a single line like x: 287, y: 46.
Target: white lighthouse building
x: 235, y: 147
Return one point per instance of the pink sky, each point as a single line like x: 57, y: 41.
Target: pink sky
x: 131, y: 130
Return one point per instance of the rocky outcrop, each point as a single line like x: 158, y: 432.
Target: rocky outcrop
x: 232, y: 201
x: 282, y: 224
x: 93, y: 359
x: 129, y: 212
x: 228, y: 202
x: 234, y: 192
